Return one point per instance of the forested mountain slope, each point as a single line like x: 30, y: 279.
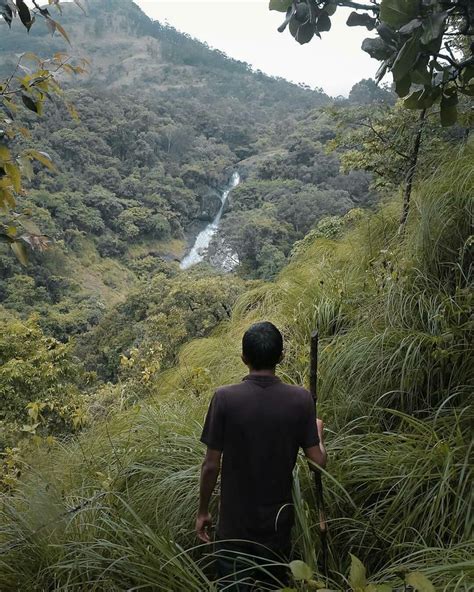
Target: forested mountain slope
x: 158, y: 124
x: 163, y: 120
x: 127, y: 50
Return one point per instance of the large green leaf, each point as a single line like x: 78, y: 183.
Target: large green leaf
x: 357, y: 574
x: 407, y: 58
x: 280, y: 5
x: 377, y: 48
x: 387, y: 34
x: 303, y: 33
x: 410, y: 27
x: 331, y: 7
x: 413, y: 101
x: 422, y: 99
x: 24, y: 14
x: 361, y: 20
x: 419, y: 581
x: 402, y: 86
x: 397, y: 13
x: 421, y: 74
x: 324, y: 22
x: 449, y: 110
x: 301, y: 570
x: 302, y: 12
x: 30, y: 103
x: 433, y: 27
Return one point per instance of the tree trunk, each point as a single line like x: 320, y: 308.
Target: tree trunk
x: 412, y: 170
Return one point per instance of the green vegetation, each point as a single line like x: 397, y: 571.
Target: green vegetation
x: 40, y: 382
x: 113, y: 509
x: 167, y: 310
x: 125, y: 178
x: 353, y: 217
x: 118, y: 192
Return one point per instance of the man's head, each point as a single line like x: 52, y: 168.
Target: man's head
x: 262, y: 346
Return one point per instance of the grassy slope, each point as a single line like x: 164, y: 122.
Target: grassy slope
x: 109, y: 279
x: 108, y: 511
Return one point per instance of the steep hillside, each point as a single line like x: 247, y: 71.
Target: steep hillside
x: 162, y: 122
x: 127, y: 50
x: 114, y: 509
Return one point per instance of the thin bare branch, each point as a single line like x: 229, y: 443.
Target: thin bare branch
x: 382, y: 139
x: 358, y: 6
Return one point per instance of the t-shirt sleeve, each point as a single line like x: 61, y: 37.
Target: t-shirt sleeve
x: 213, y: 432
x: 309, y: 432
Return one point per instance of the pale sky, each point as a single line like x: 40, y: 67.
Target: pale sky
x: 247, y: 30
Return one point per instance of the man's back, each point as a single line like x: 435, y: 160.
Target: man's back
x: 259, y: 425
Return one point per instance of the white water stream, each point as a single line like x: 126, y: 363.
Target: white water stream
x: 197, y: 253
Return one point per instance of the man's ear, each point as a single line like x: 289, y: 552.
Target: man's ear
x: 282, y: 357
x: 242, y: 357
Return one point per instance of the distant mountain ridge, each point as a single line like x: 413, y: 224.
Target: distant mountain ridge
x: 128, y: 50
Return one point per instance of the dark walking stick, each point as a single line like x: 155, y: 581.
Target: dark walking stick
x: 318, y: 484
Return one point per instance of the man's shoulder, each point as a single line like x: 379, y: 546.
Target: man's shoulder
x: 225, y: 389
x: 297, y: 391
x: 290, y: 389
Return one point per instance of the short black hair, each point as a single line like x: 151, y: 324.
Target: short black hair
x: 262, y: 346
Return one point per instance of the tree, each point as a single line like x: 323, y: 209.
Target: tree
x: 422, y: 43
x: 367, y: 91
x: 387, y: 141
x: 39, y: 383
x: 247, y: 235
x: 26, y: 91
x: 166, y: 313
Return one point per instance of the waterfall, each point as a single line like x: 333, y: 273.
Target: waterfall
x: 198, y: 251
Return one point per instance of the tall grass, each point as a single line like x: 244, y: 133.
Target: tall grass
x: 114, y: 510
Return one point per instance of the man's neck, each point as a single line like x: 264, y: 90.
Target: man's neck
x: 253, y: 372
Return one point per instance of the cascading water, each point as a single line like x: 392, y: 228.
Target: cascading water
x: 197, y: 253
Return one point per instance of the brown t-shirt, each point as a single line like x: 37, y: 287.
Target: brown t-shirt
x: 259, y: 425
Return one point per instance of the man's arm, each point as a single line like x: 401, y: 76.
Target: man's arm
x: 209, y: 472
x: 316, y: 455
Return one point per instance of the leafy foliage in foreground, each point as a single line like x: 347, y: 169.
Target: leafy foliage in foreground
x: 26, y: 88
x: 114, y: 510
x: 411, y: 38
x: 39, y: 383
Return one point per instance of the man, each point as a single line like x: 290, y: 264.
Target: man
x: 257, y: 426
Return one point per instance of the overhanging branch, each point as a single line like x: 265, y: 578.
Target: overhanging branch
x: 357, y: 6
